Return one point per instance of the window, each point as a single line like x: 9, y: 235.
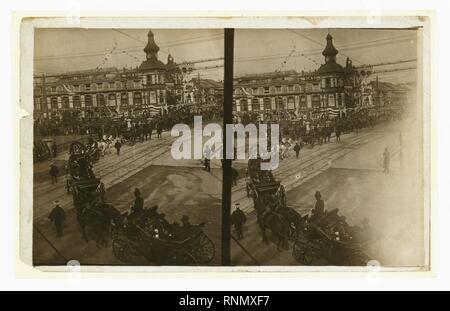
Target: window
x: 76, y: 101
x: 53, y: 89
x: 290, y: 88
x: 255, y: 91
x: 111, y: 85
x: 279, y: 102
x: 267, y: 105
x: 59, y: 89
x: 54, y: 103
x: 112, y: 100
x: 87, y: 87
x: 100, y: 100
x: 137, y: 98
x: 37, y: 91
x: 278, y: 89
x: 255, y: 104
x: 88, y: 101
x: 76, y: 87
x: 244, y: 105
x: 118, y: 84
x: 124, y: 99
x: 99, y: 86
x: 266, y: 90
x: 65, y: 102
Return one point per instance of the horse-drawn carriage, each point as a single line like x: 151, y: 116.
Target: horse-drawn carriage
x: 328, y: 237
x: 145, y: 233
x: 331, y: 239
x: 148, y: 234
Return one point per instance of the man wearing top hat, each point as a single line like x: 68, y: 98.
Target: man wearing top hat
x: 57, y: 216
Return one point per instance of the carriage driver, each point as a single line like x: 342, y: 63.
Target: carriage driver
x: 138, y: 205
x: 319, y: 208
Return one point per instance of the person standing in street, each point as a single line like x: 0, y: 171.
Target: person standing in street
x: 386, y: 160
x: 238, y: 219
x: 54, y: 173
x: 297, y: 149
x: 118, y: 145
x: 57, y: 217
x: 207, y: 162
x: 54, y: 149
x: 234, y: 176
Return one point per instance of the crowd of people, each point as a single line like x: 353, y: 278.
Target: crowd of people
x: 75, y: 124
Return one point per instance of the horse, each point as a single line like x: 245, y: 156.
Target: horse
x: 95, y: 217
x: 269, y: 218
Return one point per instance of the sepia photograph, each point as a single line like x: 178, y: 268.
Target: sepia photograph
x: 347, y: 187
x: 106, y: 187
x: 270, y: 147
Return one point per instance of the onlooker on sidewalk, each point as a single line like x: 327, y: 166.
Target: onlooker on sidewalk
x: 57, y: 216
x: 54, y: 173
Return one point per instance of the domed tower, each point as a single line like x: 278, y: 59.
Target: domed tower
x: 330, y: 51
x: 151, y: 52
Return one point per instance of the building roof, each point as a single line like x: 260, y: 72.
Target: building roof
x: 330, y: 67
x: 208, y: 84
x: 152, y: 64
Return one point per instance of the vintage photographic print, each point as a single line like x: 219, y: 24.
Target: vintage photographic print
x: 106, y: 187
x: 347, y: 188
x: 252, y: 145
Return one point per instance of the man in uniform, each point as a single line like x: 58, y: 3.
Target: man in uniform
x: 238, y: 219
x: 57, y: 216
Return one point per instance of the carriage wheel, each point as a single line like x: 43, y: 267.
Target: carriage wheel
x: 122, y: 250
x: 203, y: 249
x: 180, y: 257
x: 76, y: 148
x: 303, y: 252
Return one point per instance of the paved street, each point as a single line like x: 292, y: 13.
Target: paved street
x: 177, y: 187
x: 349, y: 176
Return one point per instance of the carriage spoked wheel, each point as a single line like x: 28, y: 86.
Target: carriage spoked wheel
x: 76, y: 148
x: 203, y: 249
x: 181, y: 257
x: 303, y: 252
x: 122, y: 250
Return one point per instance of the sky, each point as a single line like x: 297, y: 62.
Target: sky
x: 266, y: 50
x: 256, y: 50
x: 61, y: 50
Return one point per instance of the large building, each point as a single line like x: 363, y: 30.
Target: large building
x: 111, y: 91
x: 331, y: 85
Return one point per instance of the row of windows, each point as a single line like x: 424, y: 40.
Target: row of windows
x: 102, y: 100
x: 279, y: 103
x: 89, y: 87
x: 308, y: 87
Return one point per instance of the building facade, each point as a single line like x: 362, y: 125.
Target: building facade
x: 110, y: 91
x: 331, y: 85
